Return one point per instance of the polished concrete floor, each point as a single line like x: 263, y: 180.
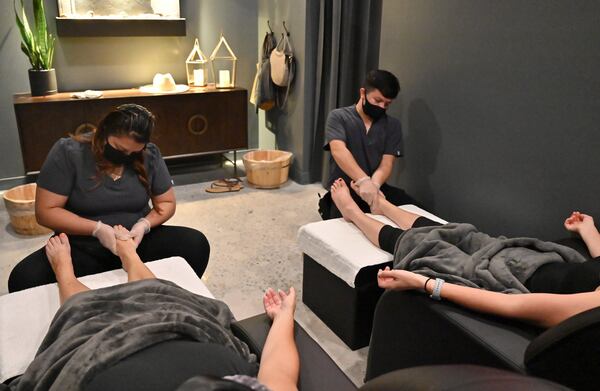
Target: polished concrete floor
x: 253, y: 246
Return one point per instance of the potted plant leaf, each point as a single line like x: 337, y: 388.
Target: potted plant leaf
x: 38, y: 46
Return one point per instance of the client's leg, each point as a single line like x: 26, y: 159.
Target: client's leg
x: 58, y: 252
x: 352, y: 213
x: 133, y: 265
x: 402, y: 218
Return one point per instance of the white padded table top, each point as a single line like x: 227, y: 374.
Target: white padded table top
x: 26, y: 315
x: 341, y: 248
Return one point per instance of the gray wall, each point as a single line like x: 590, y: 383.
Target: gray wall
x: 13, y: 78
x: 292, y: 132
x: 124, y: 62
x: 500, y: 105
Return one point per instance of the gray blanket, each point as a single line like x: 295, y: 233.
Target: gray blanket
x: 459, y: 253
x: 96, y: 329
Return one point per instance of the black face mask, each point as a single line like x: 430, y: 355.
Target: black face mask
x: 373, y: 111
x: 117, y: 157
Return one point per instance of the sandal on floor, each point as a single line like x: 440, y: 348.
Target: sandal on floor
x: 228, y: 182
x: 214, y: 188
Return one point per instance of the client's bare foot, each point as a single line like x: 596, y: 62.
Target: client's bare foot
x: 343, y: 200
x: 375, y: 207
x: 125, y: 244
x: 58, y: 251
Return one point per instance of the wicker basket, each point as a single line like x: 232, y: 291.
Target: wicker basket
x: 267, y: 169
x: 20, y: 204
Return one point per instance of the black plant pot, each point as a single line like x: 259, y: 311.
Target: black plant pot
x: 42, y: 82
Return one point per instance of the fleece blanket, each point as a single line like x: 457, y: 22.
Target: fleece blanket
x: 95, y: 329
x: 459, y: 253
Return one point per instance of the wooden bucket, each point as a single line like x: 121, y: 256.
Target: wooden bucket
x: 267, y: 169
x: 20, y: 204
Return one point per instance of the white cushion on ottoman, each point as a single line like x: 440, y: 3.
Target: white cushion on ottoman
x: 341, y: 248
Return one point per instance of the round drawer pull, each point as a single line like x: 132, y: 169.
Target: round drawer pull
x: 197, y: 124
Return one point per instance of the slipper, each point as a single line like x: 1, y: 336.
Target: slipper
x: 223, y: 189
x: 228, y: 182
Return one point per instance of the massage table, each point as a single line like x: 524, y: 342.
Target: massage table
x: 339, y: 283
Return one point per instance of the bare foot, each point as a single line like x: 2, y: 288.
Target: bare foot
x: 376, y: 206
x: 278, y: 303
x: 58, y: 251
x: 125, y: 243
x: 343, y: 200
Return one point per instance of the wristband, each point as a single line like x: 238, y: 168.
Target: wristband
x: 425, y: 285
x: 437, y: 289
x: 361, y: 180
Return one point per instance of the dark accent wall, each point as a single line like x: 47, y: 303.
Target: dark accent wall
x: 500, y: 105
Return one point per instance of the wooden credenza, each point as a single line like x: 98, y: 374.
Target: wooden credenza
x: 198, y: 121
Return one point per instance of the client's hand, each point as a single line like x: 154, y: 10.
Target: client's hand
x: 106, y: 235
x: 399, y: 280
x: 580, y: 223
x: 278, y: 303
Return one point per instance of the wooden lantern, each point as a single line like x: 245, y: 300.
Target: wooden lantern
x: 223, y: 65
x: 197, y: 67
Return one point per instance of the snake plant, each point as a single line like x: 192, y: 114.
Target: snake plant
x: 38, y: 45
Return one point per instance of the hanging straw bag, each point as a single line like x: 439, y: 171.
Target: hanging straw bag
x: 282, y: 63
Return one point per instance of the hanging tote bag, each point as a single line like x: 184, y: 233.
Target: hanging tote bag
x: 265, y: 91
x: 254, y: 92
x: 281, y: 59
x: 283, y: 69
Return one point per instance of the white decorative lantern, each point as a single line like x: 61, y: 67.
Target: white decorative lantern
x: 223, y: 65
x: 196, y: 66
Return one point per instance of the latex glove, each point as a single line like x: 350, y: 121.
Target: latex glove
x: 368, y: 191
x: 106, y: 235
x: 138, y: 230
x: 378, y: 185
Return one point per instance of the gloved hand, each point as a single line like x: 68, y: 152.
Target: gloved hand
x: 106, y: 236
x: 139, y: 229
x: 367, y: 190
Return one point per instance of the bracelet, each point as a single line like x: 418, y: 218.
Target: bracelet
x: 437, y: 289
x: 425, y: 286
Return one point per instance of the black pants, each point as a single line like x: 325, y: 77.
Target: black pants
x: 90, y: 257
x: 394, y: 195
x: 555, y: 277
x: 167, y: 365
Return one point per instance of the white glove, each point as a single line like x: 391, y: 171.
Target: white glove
x: 138, y: 230
x: 106, y: 235
x: 368, y: 191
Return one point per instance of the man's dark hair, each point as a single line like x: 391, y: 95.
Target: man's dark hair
x: 384, y: 81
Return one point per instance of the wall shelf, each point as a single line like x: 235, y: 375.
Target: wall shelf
x: 105, y: 27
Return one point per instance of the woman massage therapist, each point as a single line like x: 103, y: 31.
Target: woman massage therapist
x: 93, y: 181
x: 573, y: 285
